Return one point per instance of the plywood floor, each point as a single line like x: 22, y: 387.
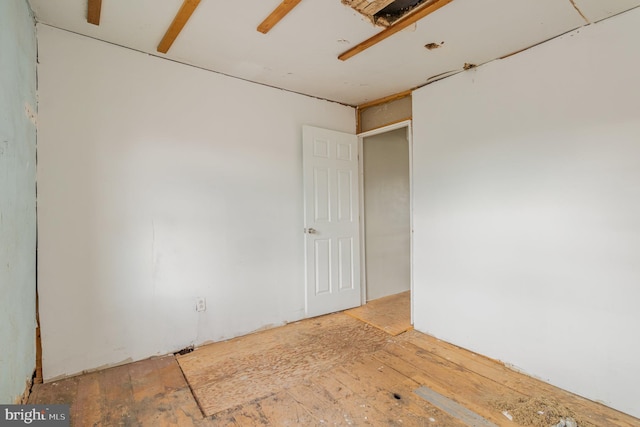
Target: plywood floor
x: 392, y: 314
x: 230, y: 373
x: 333, y: 370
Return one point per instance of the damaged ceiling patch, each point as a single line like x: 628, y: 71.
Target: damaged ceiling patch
x: 396, y: 10
x: 384, y: 12
x: 432, y: 46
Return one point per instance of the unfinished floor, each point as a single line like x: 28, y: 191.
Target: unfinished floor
x: 392, y: 313
x: 331, y: 370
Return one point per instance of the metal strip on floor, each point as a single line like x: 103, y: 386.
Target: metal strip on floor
x: 453, y: 408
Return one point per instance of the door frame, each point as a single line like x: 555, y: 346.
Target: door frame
x: 363, y: 266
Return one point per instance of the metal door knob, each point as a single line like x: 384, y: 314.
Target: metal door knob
x: 310, y: 231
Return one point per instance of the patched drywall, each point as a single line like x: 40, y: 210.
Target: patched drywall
x: 160, y: 184
x: 380, y: 115
x: 527, y: 210
x: 17, y: 198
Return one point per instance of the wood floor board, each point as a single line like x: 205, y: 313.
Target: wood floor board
x: 151, y: 392
x: 518, y: 382
x: 144, y: 381
x: 391, y: 314
x: 453, y: 381
x: 64, y: 392
x: 87, y: 408
x: 158, y: 390
x: 391, y: 394
x: 477, y: 363
x: 116, y: 396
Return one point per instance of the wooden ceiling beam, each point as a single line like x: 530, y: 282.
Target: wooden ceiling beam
x: 399, y: 25
x: 278, y: 13
x: 386, y: 99
x: 181, y: 18
x: 94, y: 7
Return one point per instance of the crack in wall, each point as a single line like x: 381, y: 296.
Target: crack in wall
x: 575, y: 6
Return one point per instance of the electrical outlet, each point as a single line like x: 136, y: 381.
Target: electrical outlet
x: 201, y: 304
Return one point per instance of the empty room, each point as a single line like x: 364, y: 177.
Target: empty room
x: 320, y: 212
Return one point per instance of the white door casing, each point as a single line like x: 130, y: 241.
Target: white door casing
x: 331, y: 221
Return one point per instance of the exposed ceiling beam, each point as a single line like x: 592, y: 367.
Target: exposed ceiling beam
x: 183, y: 15
x: 399, y: 25
x: 278, y: 13
x: 94, y: 7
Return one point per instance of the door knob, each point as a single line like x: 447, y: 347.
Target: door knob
x: 310, y: 231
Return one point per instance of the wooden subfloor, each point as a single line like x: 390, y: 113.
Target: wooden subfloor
x: 332, y: 370
x: 392, y: 314
x: 151, y: 392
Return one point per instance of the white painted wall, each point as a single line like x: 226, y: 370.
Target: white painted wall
x: 387, y: 208
x: 17, y: 199
x: 160, y: 183
x: 527, y: 211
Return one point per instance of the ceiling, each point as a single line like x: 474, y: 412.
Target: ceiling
x: 300, y: 53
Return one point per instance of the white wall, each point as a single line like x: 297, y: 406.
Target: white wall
x: 160, y: 183
x: 527, y: 210
x: 387, y: 213
x: 17, y: 199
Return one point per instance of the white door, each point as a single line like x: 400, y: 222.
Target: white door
x: 332, y: 242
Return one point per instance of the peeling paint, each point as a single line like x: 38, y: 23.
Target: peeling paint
x: 432, y: 46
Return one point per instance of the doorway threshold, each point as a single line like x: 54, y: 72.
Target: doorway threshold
x: 391, y: 314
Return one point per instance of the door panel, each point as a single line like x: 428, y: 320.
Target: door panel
x: 321, y: 195
x: 345, y: 256
x: 332, y: 255
x: 322, y: 249
x: 345, y: 196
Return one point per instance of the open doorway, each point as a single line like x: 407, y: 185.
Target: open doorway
x: 385, y: 199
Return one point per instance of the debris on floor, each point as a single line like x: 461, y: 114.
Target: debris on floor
x: 508, y: 415
x: 540, y: 411
x: 568, y: 422
x: 184, y: 351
